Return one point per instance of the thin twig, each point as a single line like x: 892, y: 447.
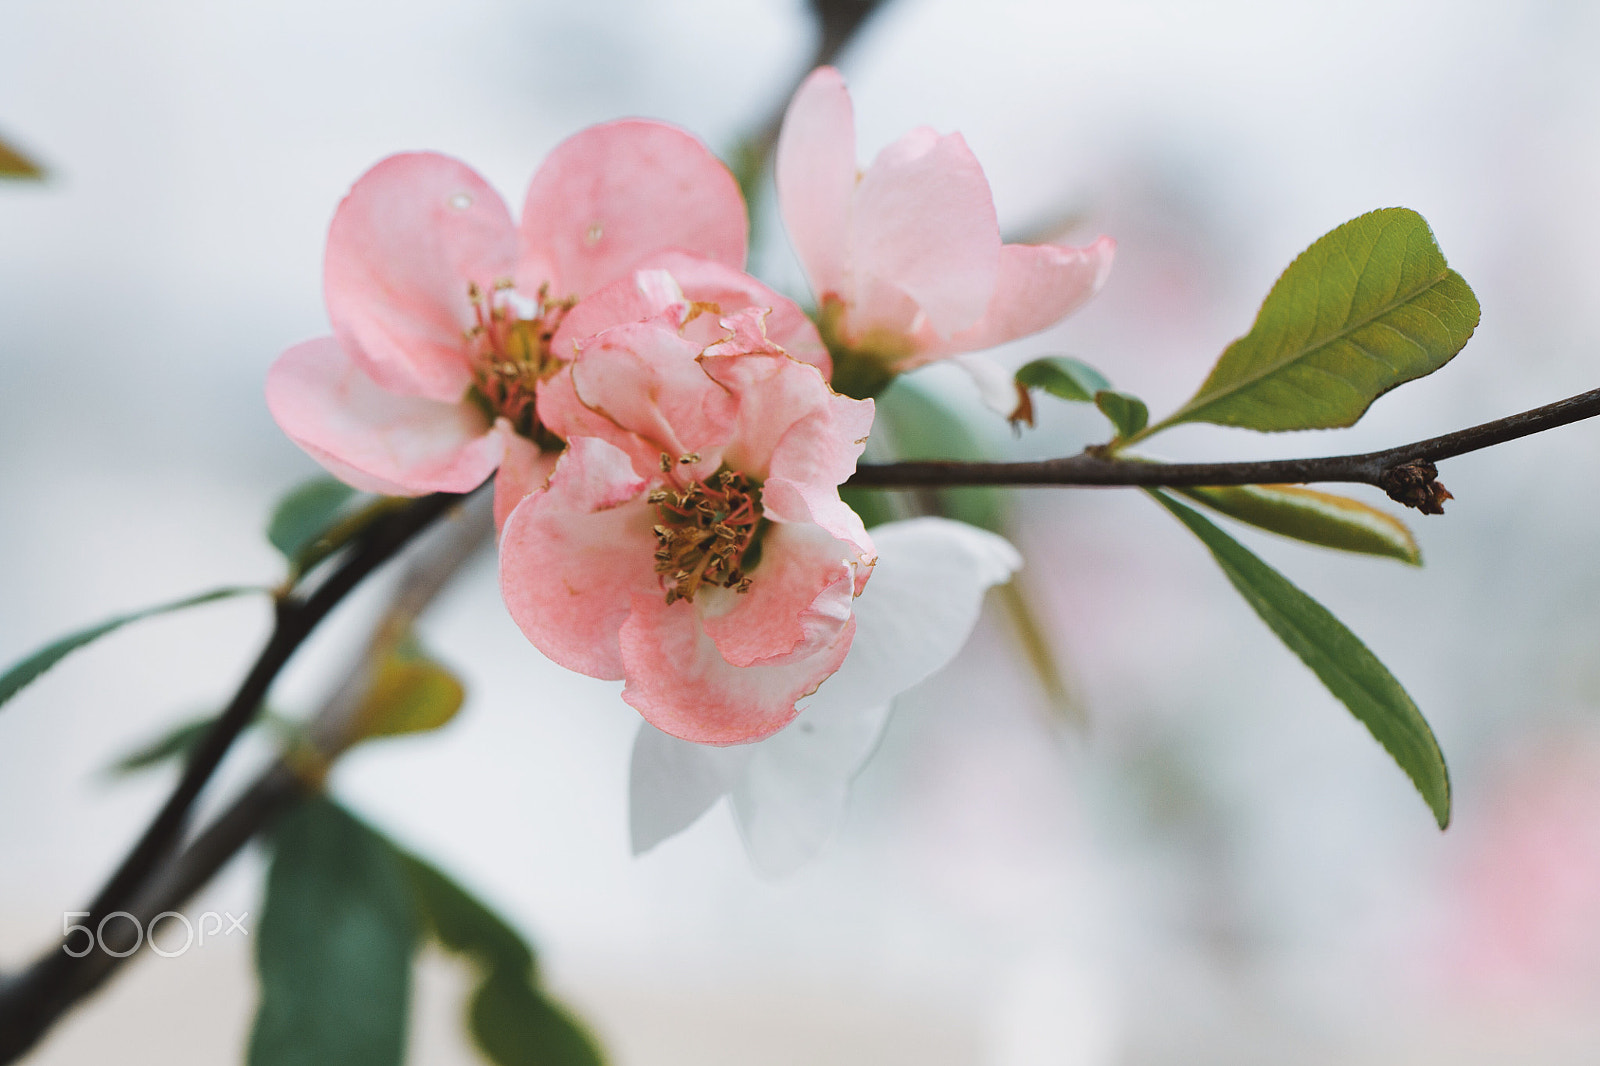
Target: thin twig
x: 34, y: 999
x: 1405, y: 472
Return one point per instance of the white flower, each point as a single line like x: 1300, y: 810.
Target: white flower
x: 789, y: 790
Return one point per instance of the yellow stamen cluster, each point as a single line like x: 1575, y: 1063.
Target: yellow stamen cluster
x: 704, y: 532
x: 511, y: 354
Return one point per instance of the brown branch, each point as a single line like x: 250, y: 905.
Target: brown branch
x: 1406, y: 472
x: 152, y: 878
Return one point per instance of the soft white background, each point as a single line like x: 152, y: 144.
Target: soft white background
x: 1222, y: 868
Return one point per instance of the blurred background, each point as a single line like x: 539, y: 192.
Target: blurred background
x: 1204, y: 860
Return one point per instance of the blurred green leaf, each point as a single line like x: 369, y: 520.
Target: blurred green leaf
x: 1350, y: 671
x: 513, y: 1022
x: 1063, y: 377
x: 13, y: 164
x: 1128, y: 413
x: 305, y: 513
x: 28, y: 670
x: 334, y: 948
x: 1369, y: 306
x: 410, y: 694
x: 175, y: 744
x: 921, y: 426
x: 1314, y: 517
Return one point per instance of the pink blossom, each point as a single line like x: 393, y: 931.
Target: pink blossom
x: 691, y: 539
x: 905, y: 258
x: 444, y: 311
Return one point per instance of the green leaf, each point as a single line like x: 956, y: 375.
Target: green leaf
x: 410, y: 694
x: 1367, y: 307
x: 309, y: 524
x: 1128, y: 413
x: 512, y: 1021
x: 1335, y: 655
x: 13, y: 164
x: 25, y: 672
x: 1063, y: 377
x: 305, y: 513
x: 1314, y: 517
x: 334, y: 948
x: 921, y: 426
x: 516, y: 1026
x: 176, y: 743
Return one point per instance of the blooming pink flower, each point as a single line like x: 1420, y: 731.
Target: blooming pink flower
x: 691, y: 538
x: 444, y: 311
x: 905, y: 258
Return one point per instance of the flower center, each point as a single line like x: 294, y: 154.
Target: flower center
x: 705, y: 531
x: 509, y: 346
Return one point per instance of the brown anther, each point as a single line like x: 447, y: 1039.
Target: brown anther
x: 666, y: 462
x: 704, y: 532
x: 1415, y: 484
x: 690, y: 459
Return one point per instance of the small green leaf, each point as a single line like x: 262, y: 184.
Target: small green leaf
x: 410, y: 694
x: 1369, y: 306
x: 1128, y: 413
x: 13, y: 164
x: 920, y: 426
x: 1063, y: 377
x: 1314, y: 517
x: 513, y: 1022
x: 24, y: 673
x: 306, y: 513
x: 176, y: 743
x: 1350, y: 671
x: 334, y: 948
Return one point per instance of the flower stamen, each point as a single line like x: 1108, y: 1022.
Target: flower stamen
x: 705, y: 530
x: 509, y: 347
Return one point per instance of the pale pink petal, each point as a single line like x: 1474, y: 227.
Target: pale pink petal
x: 924, y: 224
x: 526, y: 467
x: 575, y: 554
x: 374, y: 439
x: 638, y: 296
x: 808, y: 464
x: 815, y: 171
x: 799, y: 599
x: 731, y: 291
x: 1038, y: 286
x: 775, y: 393
x: 404, y: 244
x: 683, y: 686
x: 610, y: 196
x: 652, y: 398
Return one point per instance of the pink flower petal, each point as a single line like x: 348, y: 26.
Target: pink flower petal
x: 575, y: 555
x: 924, y: 225
x: 815, y: 170
x: 525, y: 468
x: 374, y: 439
x: 683, y: 686
x: 404, y: 244
x: 1038, y: 286
x: 703, y: 281
x: 799, y: 599
x: 809, y: 464
x: 641, y: 388
x: 613, y: 194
